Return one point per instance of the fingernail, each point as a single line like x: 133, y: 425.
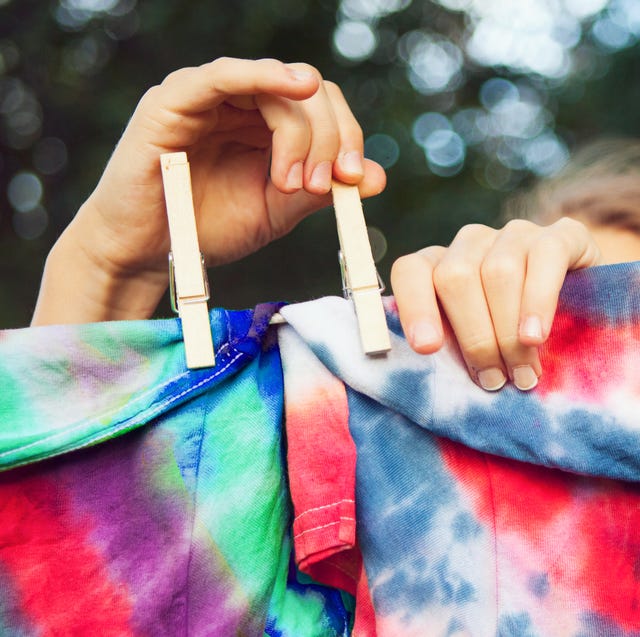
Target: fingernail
x: 524, y: 377
x: 532, y: 328
x: 294, y: 178
x: 300, y: 76
x: 352, y: 163
x: 492, y: 378
x: 321, y: 176
x: 423, y: 334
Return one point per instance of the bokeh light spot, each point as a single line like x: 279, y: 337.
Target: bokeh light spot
x: 546, y: 154
x: 94, y: 6
x: 382, y: 148
x: 371, y: 9
x: 610, y: 34
x: 354, y: 40
x: 445, y: 151
x: 497, y: 91
x: 426, y: 124
x: 88, y: 55
x: 31, y: 224
x: 24, y: 191
x: 584, y: 8
x: 50, y: 155
x: 378, y: 243
x: 435, y: 63
x: 471, y: 125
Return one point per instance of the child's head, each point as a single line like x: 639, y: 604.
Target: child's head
x: 600, y: 186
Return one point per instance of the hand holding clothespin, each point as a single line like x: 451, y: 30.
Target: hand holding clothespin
x: 189, y: 287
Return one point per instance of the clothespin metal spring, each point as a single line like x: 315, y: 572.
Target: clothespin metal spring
x: 173, y: 290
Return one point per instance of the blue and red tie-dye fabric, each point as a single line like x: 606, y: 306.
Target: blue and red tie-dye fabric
x: 508, y: 514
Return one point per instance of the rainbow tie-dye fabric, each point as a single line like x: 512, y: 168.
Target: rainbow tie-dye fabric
x: 159, y: 504
x: 139, y: 498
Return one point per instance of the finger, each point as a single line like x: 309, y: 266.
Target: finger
x: 412, y: 282
x: 350, y: 164
x: 197, y: 89
x: 459, y: 287
x: 564, y: 245
x: 182, y: 109
x: 290, y: 142
x: 503, y: 273
x: 325, y: 141
x: 287, y: 210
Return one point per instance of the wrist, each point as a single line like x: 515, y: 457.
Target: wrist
x: 81, y: 286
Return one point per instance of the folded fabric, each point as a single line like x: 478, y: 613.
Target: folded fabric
x: 508, y: 514
x: 159, y: 505
x: 140, y: 498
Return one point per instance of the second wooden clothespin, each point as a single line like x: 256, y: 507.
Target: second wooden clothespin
x: 360, y: 277
x: 187, y: 271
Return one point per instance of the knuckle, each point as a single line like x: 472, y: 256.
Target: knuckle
x: 433, y: 254
x: 179, y: 75
x: 479, y: 349
x: 566, y: 228
x: 550, y: 243
x: 404, y: 265
x: 569, y: 223
x: 150, y: 95
x: 519, y: 226
x: 509, y: 345
x: 472, y: 231
x: 499, y: 267
x: 453, y: 275
x: 220, y: 61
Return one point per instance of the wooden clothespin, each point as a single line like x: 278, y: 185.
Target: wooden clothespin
x: 187, y: 271
x: 360, y: 278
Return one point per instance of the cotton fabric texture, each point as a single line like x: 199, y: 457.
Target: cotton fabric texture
x: 140, y: 498
x: 510, y: 514
x: 159, y: 504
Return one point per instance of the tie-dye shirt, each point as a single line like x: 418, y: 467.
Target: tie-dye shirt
x: 160, y: 506
x: 481, y: 514
x: 140, y: 498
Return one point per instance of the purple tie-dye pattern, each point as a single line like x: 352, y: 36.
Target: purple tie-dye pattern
x: 145, y: 536
x: 142, y: 516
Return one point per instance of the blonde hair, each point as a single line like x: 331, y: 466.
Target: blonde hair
x: 600, y: 185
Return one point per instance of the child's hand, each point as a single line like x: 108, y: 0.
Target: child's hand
x: 263, y: 141
x: 499, y: 290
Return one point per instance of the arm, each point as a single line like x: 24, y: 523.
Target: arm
x: 263, y: 139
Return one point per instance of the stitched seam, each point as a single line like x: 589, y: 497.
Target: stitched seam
x: 495, y: 536
x: 323, y: 526
x: 153, y: 411
x: 324, y: 506
x: 160, y: 407
x: 103, y: 415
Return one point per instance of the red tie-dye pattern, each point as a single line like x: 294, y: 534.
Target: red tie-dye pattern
x: 575, y: 340
x: 582, y: 533
x: 46, y: 552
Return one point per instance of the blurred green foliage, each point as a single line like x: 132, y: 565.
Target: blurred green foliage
x: 458, y: 117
